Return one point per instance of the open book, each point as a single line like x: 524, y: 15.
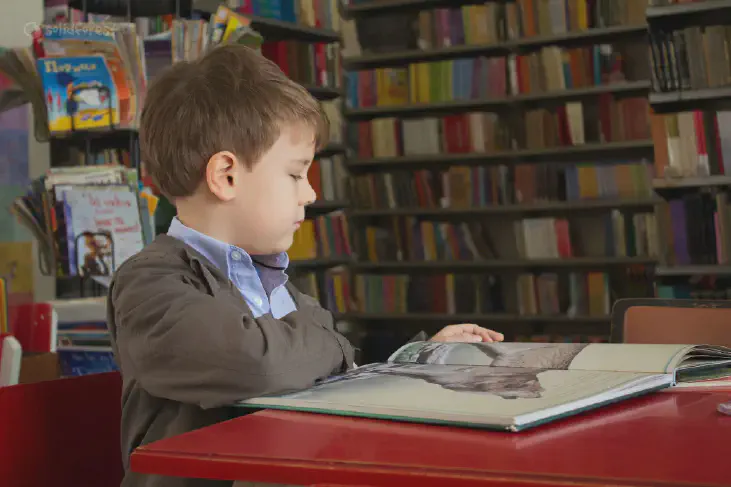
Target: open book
x: 505, y: 386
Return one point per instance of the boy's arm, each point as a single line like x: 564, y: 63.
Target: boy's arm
x: 182, y: 344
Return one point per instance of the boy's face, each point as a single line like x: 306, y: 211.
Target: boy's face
x: 270, y: 198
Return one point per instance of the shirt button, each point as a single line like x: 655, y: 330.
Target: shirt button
x: 258, y: 301
x: 235, y: 256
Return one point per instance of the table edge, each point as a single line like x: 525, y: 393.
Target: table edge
x: 147, y: 461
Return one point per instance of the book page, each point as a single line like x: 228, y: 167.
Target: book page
x: 489, y: 395
x: 557, y: 356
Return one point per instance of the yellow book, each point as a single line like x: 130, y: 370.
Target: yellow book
x: 338, y: 288
x: 424, y: 82
x: 413, y: 83
x: 429, y: 239
x: 581, y: 9
x: 303, y: 247
x: 371, y: 244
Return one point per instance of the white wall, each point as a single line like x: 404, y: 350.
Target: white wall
x: 16, y: 16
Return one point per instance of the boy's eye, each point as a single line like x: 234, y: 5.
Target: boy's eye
x: 296, y: 177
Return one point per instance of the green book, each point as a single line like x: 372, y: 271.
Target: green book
x: 503, y: 386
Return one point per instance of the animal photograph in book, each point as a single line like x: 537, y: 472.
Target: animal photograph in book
x: 513, y: 373
x: 555, y: 356
x: 505, y: 383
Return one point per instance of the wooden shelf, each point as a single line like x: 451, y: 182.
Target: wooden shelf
x: 394, y: 6
x: 322, y: 207
x: 529, y: 100
x: 557, y: 155
x: 118, y: 138
x: 400, y: 58
x: 472, y: 318
x: 322, y: 93
x: 700, y: 13
x: 331, y: 150
x: 273, y: 29
x: 695, y: 182
x: 679, y: 101
x: 551, y: 207
x: 320, y: 263
x: 137, y: 8
x: 500, y: 264
x: 717, y: 270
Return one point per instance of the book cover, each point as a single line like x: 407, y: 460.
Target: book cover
x: 79, y: 93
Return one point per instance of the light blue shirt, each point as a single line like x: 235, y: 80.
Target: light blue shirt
x: 263, y: 288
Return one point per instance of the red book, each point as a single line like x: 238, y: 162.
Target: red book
x: 34, y: 325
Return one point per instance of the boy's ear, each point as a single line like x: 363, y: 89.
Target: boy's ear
x: 221, y: 175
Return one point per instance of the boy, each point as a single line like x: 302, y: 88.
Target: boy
x: 204, y: 316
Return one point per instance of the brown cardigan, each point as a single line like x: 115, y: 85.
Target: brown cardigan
x: 188, y: 346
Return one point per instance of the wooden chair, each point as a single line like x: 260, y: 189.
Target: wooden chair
x: 681, y: 321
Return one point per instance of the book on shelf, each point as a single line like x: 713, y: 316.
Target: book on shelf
x: 325, y: 236
x: 551, y: 69
x: 502, y: 386
x: 695, y: 229
x: 684, y: 142
x: 496, y: 22
x: 94, y: 75
x: 683, y: 59
x: 523, y: 296
x: 311, y: 13
x: 469, y: 188
x: 415, y: 239
x: 329, y: 177
x: 331, y: 287
x: 83, y: 343
x: 88, y: 220
x: 604, y: 120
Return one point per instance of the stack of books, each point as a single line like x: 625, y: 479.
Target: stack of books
x: 93, y: 76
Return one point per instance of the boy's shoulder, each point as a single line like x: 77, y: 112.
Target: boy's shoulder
x: 166, y: 256
x: 163, y: 251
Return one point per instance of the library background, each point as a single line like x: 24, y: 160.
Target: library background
x: 516, y: 164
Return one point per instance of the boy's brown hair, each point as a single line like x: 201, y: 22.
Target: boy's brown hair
x: 230, y: 99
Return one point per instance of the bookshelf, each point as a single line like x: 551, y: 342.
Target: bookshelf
x: 302, y: 30
x: 690, y: 98
x: 432, y: 187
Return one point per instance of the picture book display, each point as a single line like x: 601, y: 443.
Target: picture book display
x: 87, y: 219
x: 503, y: 386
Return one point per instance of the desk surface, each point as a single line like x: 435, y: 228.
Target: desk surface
x: 667, y: 439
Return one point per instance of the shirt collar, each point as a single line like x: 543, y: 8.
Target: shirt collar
x: 217, y: 252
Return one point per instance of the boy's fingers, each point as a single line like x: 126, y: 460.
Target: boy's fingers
x: 470, y: 332
x: 496, y: 336
x: 485, y: 334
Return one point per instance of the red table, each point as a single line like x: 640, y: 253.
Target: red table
x: 667, y: 439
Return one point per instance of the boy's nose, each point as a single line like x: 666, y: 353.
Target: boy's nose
x: 308, y: 194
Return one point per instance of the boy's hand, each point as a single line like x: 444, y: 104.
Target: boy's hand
x: 466, y: 332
